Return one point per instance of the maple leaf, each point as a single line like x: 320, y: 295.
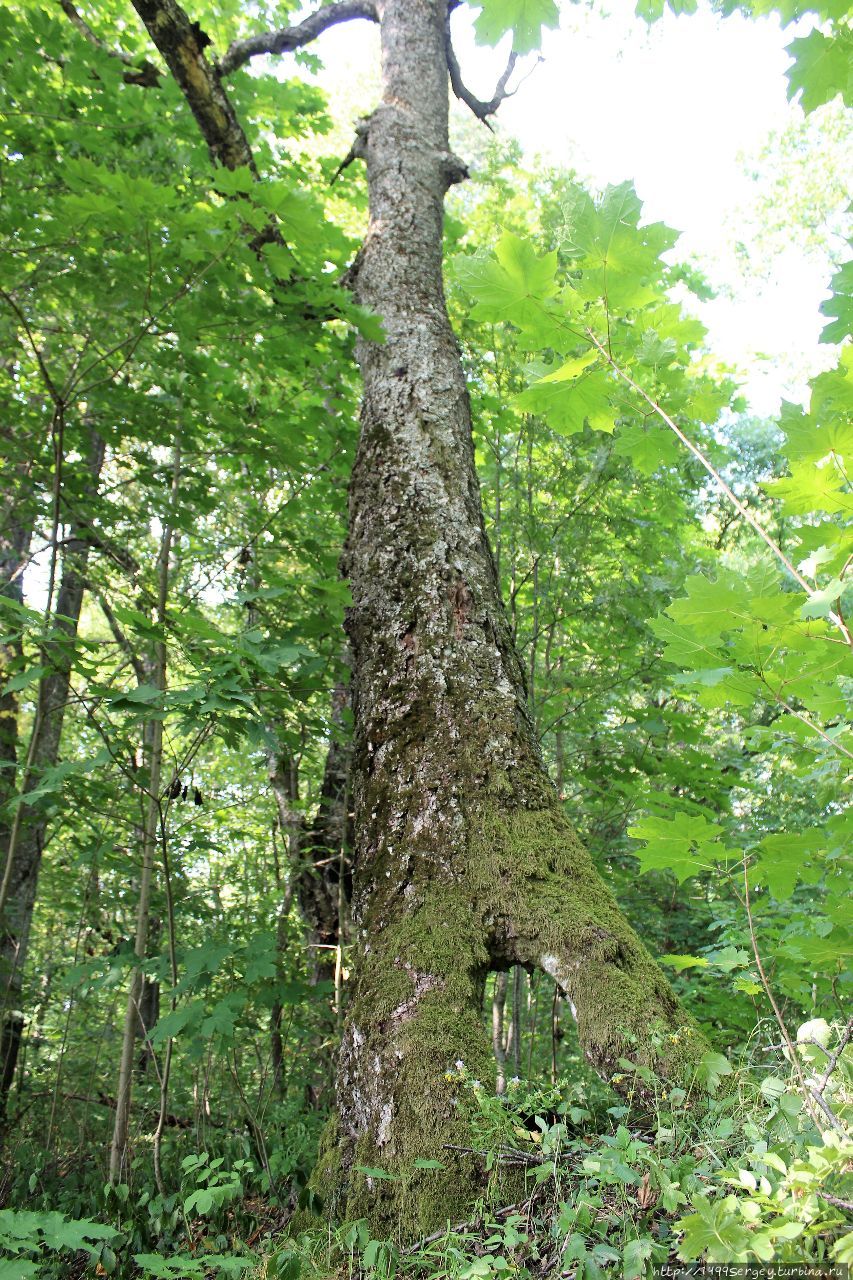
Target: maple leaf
x: 512, y: 284
x: 568, y: 405
x: 685, y: 647
x: 524, y: 18
x: 782, y: 860
x: 823, y: 68
x: 840, y: 305
x: 648, y: 448
x: 684, y: 845
x: 712, y: 607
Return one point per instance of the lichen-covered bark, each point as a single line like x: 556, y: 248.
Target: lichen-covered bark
x: 464, y: 861
x: 182, y: 44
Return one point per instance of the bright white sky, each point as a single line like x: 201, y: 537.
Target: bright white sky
x: 678, y: 108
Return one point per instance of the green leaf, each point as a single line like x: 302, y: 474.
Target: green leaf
x: 648, y: 447
x: 782, y: 857
x: 650, y: 10
x: 281, y: 260
x: 809, y: 489
x: 680, y: 963
x: 772, y: 1088
x: 511, y: 285
x: 144, y: 693
x: 685, y: 647
x: 370, y: 326
x: 177, y: 1020
x: 23, y: 678
x: 711, y: 1069
x: 568, y: 407
x: 840, y: 305
x: 222, y: 1019
x: 201, y: 1201
x: 729, y: 958
x: 525, y: 18
x: 712, y: 607
x: 686, y: 845
x: 381, y: 1174
x: 715, y: 1232
x: 823, y: 68
x: 842, y: 1250
x: 820, y: 603
x: 635, y: 1256
x: 428, y: 1164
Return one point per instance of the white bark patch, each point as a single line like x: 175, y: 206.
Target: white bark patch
x: 551, y: 965
x: 384, y: 1127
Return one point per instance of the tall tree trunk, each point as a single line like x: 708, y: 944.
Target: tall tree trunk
x: 464, y: 860
x: 150, y: 832
x: 24, y: 839
x: 14, y: 544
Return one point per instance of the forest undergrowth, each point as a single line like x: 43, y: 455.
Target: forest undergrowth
x: 749, y: 1164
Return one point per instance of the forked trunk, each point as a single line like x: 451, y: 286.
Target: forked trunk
x: 464, y: 860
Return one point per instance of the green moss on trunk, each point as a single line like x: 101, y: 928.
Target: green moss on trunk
x: 530, y: 895
x: 552, y: 910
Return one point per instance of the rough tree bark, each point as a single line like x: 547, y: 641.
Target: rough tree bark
x: 464, y: 859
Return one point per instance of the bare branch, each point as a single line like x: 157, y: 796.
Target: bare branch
x: 182, y: 44
x: 145, y: 74
x: 286, y: 39
x: 482, y: 110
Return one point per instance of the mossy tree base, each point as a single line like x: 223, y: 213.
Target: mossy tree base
x: 530, y: 896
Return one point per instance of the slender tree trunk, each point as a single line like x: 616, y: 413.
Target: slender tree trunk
x: 498, y: 1041
x: 150, y: 834
x: 14, y: 544
x: 321, y: 877
x: 513, y: 1040
x: 284, y: 781
x: 149, y: 1006
x: 324, y: 852
x: 24, y: 837
x: 464, y: 860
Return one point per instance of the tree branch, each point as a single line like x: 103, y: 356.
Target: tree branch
x: 182, y: 44
x: 482, y: 110
x: 146, y: 74
x: 286, y: 39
